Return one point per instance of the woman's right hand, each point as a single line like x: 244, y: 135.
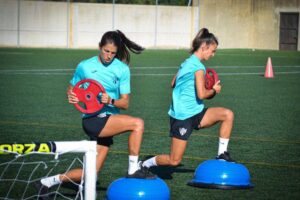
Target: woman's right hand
x: 217, y: 87
x: 72, y: 98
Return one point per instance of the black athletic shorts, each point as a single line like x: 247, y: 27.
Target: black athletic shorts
x: 182, y: 129
x: 93, y: 126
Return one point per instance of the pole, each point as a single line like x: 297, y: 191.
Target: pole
x: 68, y: 23
x: 18, y: 28
x: 113, y: 15
x: 155, y: 25
x: 198, y: 24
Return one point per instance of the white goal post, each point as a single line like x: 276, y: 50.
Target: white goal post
x: 89, y: 148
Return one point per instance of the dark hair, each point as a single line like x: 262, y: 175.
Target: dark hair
x: 203, y: 36
x: 123, y: 44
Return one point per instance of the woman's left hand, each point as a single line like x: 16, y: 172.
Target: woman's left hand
x: 105, y: 98
x: 217, y: 87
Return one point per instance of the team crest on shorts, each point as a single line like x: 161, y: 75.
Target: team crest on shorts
x: 182, y: 131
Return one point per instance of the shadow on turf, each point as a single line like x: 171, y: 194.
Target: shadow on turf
x: 73, y: 191
x: 74, y: 187
x: 165, y: 172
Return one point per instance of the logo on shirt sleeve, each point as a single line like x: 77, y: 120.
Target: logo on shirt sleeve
x: 116, y: 80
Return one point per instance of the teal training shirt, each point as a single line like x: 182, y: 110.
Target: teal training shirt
x: 185, y: 102
x: 114, y: 77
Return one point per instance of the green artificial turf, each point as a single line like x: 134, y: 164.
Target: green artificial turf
x: 265, y: 138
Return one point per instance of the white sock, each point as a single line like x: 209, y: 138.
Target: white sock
x: 150, y: 162
x: 223, y: 144
x: 51, y: 181
x: 133, y: 164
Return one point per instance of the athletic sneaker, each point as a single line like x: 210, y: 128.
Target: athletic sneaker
x: 143, y: 173
x: 225, y: 156
x: 42, y: 190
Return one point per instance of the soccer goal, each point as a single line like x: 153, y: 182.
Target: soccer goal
x: 23, y: 164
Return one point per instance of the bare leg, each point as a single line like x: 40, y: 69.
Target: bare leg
x: 223, y: 115
x: 76, y: 174
x: 226, y: 117
x: 211, y: 117
x: 177, y: 150
x: 117, y: 124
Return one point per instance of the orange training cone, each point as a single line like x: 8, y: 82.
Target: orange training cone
x: 269, y: 69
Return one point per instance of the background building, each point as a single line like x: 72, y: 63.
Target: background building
x: 254, y: 24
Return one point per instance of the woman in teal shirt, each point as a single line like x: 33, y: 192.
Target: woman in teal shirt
x: 110, y: 68
x: 187, y: 111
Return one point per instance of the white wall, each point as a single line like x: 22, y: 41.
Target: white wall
x: 81, y: 25
x: 174, y: 26
x: 8, y: 23
x: 34, y: 24
x: 43, y: 24
x: 236, y: 23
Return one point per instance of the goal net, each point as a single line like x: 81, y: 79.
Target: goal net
x: 22, y: 165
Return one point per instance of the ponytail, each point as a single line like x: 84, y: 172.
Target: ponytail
x: 203, y: 36
x: 123, y: 45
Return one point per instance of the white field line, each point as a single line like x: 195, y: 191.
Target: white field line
x: 254, y: 55
x: 223, y: 74
x: 139, y: 68
x: 216, y: 67
x: 38, y: 73
x: 70, y: 71
x: 219, y: 53
x: 35, y: 70
x: 220, y: 74
x: 16, y: 53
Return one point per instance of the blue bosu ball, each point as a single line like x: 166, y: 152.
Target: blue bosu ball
x: 141, y: 189
x: 221, y: 174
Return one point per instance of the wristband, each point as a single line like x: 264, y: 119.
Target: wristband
x: 112, y: 101
x: 215, y: 92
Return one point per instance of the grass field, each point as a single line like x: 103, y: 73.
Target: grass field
x: 266, y: 139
